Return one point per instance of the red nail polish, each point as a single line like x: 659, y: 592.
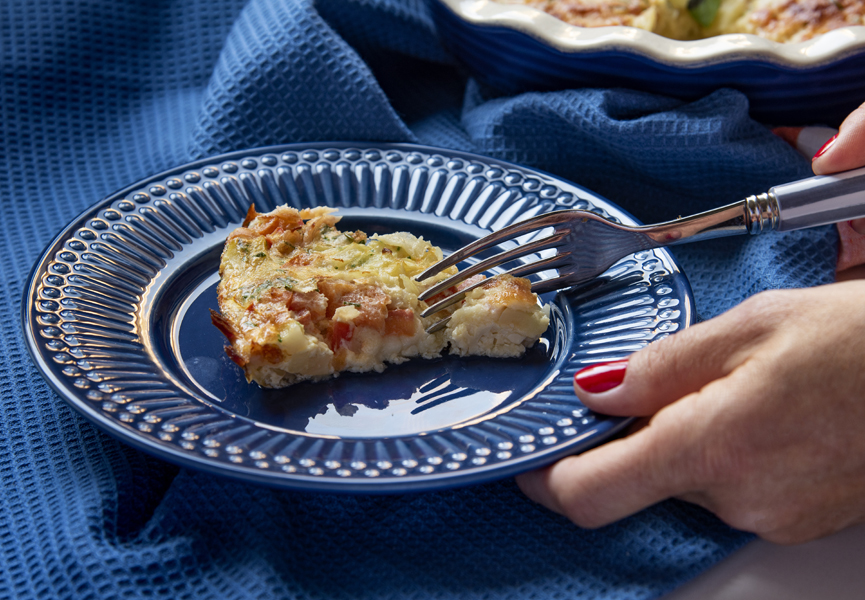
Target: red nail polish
x: 602, y: 376
x: 825, y: 146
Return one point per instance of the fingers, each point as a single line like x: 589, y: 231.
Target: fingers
x: 674, y: 367
x: 685, y: 450
x: 846, y: 150
x: 664, y: 459
x: 608, y: 483
x: 858, y: 225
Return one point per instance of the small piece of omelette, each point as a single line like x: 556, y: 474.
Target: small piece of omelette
x: 300, y: 300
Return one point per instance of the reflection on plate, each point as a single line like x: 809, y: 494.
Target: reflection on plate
x: 117, y: 319
x: 519, y: 48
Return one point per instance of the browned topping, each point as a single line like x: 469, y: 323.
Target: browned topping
x: 235, y: 357
x: 271, y: 354
x: 358, y: 237
x: 785, y: 19
x: 779, y: 20
x: 506, y: 290
x: 242, y: 233
x: 301, y: 260
x: 250, y: 215
x: 223, y: 325
x: 592, y: 13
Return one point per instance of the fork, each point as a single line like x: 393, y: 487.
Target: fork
x: 587, y: 244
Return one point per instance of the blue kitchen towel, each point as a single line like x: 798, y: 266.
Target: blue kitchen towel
x: 97, y: 94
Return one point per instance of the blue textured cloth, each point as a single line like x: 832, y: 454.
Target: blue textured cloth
x: 96, y: 94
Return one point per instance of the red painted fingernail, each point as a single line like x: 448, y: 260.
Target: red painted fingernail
x: 602, y: 376
x: 825, y: 146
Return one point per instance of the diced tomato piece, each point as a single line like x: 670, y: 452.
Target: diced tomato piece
x: 454, y: 289
x: 312, y: 302
x: 369, y: 300
x: 400, y: 322
x: 469, y: 282
x: 304, y: 317
x: 340, y: 334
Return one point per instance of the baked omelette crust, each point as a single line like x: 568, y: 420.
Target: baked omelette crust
x: 301, y: 300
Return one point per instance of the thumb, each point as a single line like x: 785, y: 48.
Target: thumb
x: 671, y: 368
x: 846, y: 150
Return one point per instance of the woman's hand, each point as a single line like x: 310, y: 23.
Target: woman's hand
x: 757, y: 415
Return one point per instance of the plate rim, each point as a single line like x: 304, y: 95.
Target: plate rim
x: 299, y: 481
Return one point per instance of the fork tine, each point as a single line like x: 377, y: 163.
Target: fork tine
x: 452, y: 299
x: 493, y: 239
x: 438, y: 325
x: 573, y: 284
x: 556, y: 283
x: 539, y: 287
x: 551, y: 241
x: 521, y: 271
x: 537, y: 266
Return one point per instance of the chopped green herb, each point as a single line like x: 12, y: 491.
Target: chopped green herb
x: 260, y: 255
x: 704, y: 11
x: 254, y: 291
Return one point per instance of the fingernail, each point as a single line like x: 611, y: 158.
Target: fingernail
x: 825, y: 147
x: 601, y: 377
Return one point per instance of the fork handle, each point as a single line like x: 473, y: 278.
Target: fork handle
x: 814, y: 201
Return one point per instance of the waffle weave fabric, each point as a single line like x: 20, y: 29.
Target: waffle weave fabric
x: 97, y: 94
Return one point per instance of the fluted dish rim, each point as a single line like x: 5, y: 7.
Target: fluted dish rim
x: 572, y: 39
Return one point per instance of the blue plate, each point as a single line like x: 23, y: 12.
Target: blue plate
x: 517, y: 48
x: 117, y: 319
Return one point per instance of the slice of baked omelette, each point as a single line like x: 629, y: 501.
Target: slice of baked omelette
x: 301, y: 300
